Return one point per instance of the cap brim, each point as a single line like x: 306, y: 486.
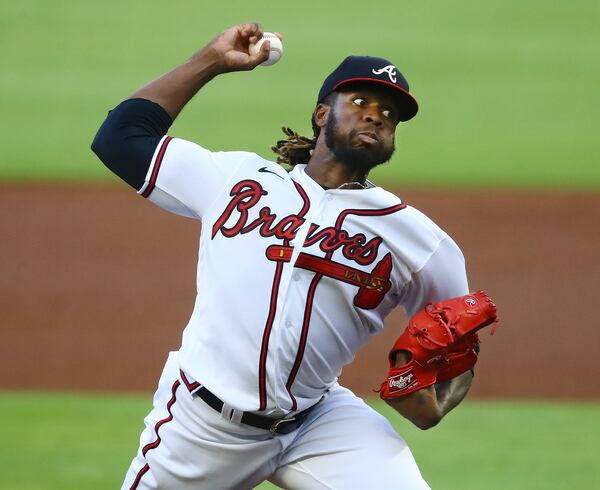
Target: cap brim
x: 407, y: 104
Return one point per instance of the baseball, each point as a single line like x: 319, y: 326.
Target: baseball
x: 275, y: 51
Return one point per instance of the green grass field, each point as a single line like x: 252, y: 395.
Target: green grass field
x: 508, y: 89
x: 77, y: 441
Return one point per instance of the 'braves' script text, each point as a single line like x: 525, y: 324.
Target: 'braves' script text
x: 247, y: 194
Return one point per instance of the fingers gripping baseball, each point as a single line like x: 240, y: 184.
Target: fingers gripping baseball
x: 439, y: 343
x: 233, y: 47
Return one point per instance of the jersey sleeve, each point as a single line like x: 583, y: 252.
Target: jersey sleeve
x: 185, y: 178
x: 126, y: 140
x: 442, y: 276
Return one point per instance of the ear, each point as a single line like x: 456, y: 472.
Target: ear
x: 321, y: 114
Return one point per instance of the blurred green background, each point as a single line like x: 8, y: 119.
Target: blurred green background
x: 509, y: 97
x: 508, y: 89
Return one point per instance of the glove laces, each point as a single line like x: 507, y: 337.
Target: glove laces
x: 424, y: 333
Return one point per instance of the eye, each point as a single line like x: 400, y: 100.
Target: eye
x: 359, y: 101
x: 387, y: 113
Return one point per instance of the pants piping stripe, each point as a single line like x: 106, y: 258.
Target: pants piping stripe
x: 141, y: 473
x: 159, y: 424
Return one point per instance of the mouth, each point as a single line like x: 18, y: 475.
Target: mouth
x: 368, y: 137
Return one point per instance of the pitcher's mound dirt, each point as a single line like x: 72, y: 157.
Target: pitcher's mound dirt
x: 96, y: 286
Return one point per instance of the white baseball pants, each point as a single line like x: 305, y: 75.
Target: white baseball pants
x: 343, y: 444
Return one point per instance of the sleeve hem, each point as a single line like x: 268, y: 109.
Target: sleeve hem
x: 154, y: 168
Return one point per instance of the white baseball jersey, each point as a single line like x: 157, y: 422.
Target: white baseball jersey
x: 292, y: 279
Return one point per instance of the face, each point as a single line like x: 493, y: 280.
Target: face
x: 360, y: 126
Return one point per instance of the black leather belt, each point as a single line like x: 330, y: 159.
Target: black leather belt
x: 283, y: 425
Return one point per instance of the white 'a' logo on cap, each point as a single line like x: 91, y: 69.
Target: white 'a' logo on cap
x: 390, y: 70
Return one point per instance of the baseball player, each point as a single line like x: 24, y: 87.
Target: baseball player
x: 297, y: 270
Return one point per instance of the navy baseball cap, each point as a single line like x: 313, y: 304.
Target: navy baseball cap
x: 372, y: 70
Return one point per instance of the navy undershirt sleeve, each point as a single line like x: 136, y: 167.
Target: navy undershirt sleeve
x: 127, y: 139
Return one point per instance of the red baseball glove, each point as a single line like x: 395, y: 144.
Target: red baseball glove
x: 442, y: 342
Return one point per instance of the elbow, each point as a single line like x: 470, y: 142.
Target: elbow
x: 420, y: 408
x: 97, y: 145
x: 101, y: 145
x: 425, y: 417
x: 110, y: 137
x: 425, y: 422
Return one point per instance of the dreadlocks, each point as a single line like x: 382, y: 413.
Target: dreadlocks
x: 295, y: 149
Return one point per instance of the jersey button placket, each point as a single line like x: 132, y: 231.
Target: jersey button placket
x: 288, y: 302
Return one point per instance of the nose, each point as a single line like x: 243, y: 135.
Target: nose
x: 373, y: 118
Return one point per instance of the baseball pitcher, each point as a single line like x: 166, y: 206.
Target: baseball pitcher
x: 300, y: 262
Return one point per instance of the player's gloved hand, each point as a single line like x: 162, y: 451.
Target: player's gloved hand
x: 441, y: 343
x: 232, y: 48
x: 461, y: 356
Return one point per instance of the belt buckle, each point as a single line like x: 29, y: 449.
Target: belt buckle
x: 275, y: 426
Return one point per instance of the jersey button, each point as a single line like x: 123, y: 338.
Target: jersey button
x: 289, y: 323
x: 296, y: 276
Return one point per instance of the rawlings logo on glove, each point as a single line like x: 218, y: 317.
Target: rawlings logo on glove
x: 402, y: 382
x: 442, y: 343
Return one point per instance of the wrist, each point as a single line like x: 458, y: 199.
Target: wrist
x: 207, y: 63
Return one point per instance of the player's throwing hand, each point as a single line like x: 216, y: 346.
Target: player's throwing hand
x: 232, y: 48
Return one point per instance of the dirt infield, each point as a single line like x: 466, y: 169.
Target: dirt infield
x: 96, y: 286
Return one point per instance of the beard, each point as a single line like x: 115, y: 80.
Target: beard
x: 358, y: 157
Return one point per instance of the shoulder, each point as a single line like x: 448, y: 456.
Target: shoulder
x: 422, y: 222
x: 398, y: 217
x: 233, y: 162
x: 185, y: 147
x: 415, y: 236
x: 408, y: 217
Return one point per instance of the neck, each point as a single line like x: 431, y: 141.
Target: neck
x: 324, y: 169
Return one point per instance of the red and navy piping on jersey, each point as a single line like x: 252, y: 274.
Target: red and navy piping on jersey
x: 368, y: 212
x: 235, y: 220
x: 303, y: 337
x: 156, y: 169
x: 262, y: 364
x: 157, y: 441
x: 304, y: 196
x: 313, y: 287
